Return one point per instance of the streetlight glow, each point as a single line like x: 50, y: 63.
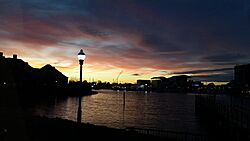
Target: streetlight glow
x: 81, y: 55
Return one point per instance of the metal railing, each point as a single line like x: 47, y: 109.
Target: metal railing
x: 174, y: 135
x: 232, y: 117
x: 234, y: 113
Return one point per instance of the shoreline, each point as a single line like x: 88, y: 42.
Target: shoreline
x: 43, y: 128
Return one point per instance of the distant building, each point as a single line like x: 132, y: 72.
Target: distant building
x: 156, y: 83
x: 159, y: 83
x: 16, y: 72
x: 143, y: 84
x: 242, y: 75
x: 1, y: 55
x: 177, y: 82
x: 50, y: 76
x: 173, y: 83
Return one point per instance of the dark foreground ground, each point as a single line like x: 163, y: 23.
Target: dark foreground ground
x: 46, y: 129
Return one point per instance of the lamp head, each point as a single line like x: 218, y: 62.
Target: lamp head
x: 81, y: 55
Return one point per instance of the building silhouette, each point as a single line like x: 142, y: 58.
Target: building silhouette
x: 170, y: 84
x: 178, y: 82
x: 242, y: 75
x: 50, y: 76
x: 159, y: 83
x: 16, y: 72
x: 143, y: 84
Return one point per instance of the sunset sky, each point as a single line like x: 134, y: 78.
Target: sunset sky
x: 140, y: 38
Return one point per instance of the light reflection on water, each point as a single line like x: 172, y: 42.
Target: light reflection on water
x: 168, y: 111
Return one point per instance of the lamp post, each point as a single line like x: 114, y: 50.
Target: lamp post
x: 81, y: 57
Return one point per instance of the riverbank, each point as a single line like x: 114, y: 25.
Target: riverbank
x: 47, y: 92
x: 48, y: 129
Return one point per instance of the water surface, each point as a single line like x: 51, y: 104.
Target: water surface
x: 167, y: 111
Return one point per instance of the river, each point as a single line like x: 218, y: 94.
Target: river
x: 166, y: 111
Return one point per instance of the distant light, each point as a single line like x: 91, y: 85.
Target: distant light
x: 4, y: 83
x: 196, y: 85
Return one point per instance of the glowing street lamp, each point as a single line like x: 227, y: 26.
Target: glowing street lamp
x: 81, y: 57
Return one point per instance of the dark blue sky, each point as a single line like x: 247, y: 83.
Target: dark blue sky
x: 144, y: 37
